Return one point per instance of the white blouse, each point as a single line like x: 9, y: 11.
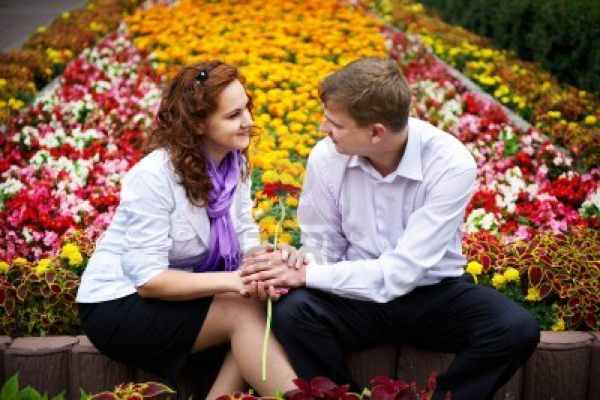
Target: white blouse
x: 154, y: 228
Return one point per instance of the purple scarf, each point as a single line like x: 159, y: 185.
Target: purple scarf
x: 224, y: 247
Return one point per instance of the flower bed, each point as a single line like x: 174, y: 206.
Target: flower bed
x: 64, y: 158
x: 568, y: 115
x: 25, y: 71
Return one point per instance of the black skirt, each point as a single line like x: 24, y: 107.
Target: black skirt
x: 154, y: 335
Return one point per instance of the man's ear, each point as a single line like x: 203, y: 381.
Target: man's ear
x: 378, y: 132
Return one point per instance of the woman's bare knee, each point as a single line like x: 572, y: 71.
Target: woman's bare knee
x: 227, y: 312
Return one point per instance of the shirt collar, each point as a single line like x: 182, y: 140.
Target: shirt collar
x: 410, y: 164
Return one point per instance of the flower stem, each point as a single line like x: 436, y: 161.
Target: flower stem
x: 269, y: 301
x: 266, y: 339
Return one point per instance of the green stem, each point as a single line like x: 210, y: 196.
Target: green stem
x: 269, y: 301
x: 266, y: 339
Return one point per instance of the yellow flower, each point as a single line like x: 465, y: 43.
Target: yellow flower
x: 15, y: 104
x: 41, y: 29
x: 42, y: 266
x: 2, y: 83
x: 474, y: 268
x: 417, y: 8
x: 501, y: 91
x: 96, y: 27
x: 291, y: 224
x: 533, y: 294
x: 20, y: 262
x: 498, y: 281
x: 559, y: 325
x: 511, y: 274
x: 292, y: 201
x: 285, y: 237
x: 287, y: 179
x: 591, y: 120
x: 265, y: 205
x: 545, y: 86
x: 270, y: 177
x: 268, y: 224
x: 4, y: 267
x: 71, y: 252
x: 554, y: 114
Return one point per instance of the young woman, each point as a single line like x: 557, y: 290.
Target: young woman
x: 185, y: 208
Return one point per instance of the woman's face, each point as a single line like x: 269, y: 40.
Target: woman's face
x: 229, y: 127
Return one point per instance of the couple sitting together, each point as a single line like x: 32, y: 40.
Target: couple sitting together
x: 181, y: 268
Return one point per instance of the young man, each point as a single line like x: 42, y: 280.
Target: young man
x: 382, y: 208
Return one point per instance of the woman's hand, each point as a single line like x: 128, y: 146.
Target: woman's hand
x: 255, y: 289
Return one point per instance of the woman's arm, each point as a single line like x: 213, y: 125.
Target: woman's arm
x: 182, y: 285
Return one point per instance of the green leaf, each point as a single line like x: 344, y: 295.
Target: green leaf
x: 29, y: 393
x: 10, y: 390
x: 83, y: 395
x: 60, y: 396
x: 151, y: 389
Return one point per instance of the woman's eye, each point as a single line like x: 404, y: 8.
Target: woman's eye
x: 235, y: 114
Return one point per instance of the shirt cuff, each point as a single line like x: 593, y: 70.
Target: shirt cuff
x: 319, y: 277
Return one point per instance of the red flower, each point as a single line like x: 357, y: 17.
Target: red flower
x: 483, y: 199
x: 385, y: 388
x: 319, y: 388
x: 571, y: 191
x: 275, y: 190
x: 489, y: 111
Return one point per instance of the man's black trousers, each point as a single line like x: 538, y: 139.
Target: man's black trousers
x: 491, y: 335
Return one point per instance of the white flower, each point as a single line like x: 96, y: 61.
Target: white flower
x: 40, y: 158
x: 27, y: 235
x: 591, y: 206
x: 479, y: 220
x: 8, y: 189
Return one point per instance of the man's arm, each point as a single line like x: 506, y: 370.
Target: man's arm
x: 319, y: 217
x: 423, y: 244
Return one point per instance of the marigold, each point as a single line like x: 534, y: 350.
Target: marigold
x: 270, y: 177
x: 533, y: 294
x: 4, y: 267
x: 591, y: 120
x: 559, y: 325
x: 511, y: 274
x: 474, y: 268
x: 20, y: 262
x: 42, y: 266
x: 71, y: 252
x: 498, y: 281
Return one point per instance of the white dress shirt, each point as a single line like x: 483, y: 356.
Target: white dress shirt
x: 377, y: 238
x: 156, y: 227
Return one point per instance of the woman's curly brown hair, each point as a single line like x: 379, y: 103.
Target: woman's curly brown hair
x: 185, y: 105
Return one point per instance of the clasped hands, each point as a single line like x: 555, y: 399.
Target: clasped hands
x: 271, y: 273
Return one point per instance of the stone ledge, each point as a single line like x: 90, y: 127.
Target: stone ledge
x: 41, y: 345
x: 565, y: 366
x: 594, y: 374
x: 565, y: 340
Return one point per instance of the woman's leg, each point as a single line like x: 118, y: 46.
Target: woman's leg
x: 229, y: 380
x: 241, y: 321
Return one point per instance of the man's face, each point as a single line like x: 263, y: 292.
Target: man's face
x: 348, y: 137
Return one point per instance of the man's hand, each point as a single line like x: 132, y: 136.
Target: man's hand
x: 295, y: 258
x: 272, y: 270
